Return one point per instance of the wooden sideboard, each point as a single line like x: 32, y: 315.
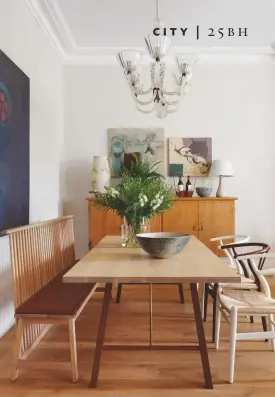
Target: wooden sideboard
x: 202, y: 217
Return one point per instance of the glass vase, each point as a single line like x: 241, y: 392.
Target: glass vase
x: 129, y: 232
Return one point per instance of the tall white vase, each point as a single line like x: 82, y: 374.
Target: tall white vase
x: 100, y: 173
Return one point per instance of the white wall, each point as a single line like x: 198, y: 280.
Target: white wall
x: 26, y: 44
x: 231, y: 101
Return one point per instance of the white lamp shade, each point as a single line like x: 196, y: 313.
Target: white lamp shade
x: 221, y: 168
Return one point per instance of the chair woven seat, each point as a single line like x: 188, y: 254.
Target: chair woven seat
x: 247, y: 302
x: 245, y: 283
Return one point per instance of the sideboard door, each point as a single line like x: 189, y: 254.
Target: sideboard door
x: 155, y: 224
x: 113, y: 224
x: 96, y: 225
x: 216, y: 218
x: 182, y: 218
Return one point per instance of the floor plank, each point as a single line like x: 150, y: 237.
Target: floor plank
x: 46, y: 372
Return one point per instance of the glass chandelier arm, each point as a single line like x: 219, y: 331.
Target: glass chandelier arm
x: 135, y: 84
x: 145, y: 111
x: 139, y: 91
x: 170, y: 103
x: 143, y: 103
x: 173, y: 110
x: 171, y: 92
x: 182, y: 89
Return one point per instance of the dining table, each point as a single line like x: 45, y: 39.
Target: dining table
x: 109, y: 263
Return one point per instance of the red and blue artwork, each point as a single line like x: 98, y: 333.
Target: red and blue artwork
x: 14, y: 145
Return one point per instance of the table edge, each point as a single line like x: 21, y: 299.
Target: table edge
x: 72, y: 279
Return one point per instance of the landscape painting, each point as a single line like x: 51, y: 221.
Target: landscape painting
x: 144, y: 143
x: 190, y: 156
x: 14, y: 144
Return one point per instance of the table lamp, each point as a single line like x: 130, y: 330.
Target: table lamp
x: 221, y: 168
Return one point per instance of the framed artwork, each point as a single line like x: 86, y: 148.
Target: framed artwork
x: 126, y: 144
x: 14, y: 145
x: 189, y: 156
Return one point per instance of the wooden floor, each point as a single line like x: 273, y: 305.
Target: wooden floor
x: 46, y: 372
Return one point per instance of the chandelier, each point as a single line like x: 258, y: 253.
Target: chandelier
x: 150, y: 94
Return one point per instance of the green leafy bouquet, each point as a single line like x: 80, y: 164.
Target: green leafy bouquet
x: 141, y: 194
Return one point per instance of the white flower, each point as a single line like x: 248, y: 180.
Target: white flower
x: 113, y: 192
x: 156, y: 202
x: 142, y: 199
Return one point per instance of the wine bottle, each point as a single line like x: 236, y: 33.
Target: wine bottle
x: 180, y: 185
x: 188, y: 186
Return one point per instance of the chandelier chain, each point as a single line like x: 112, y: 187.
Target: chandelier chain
x: 157, y: 8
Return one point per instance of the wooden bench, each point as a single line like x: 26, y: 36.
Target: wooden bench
x: 41, y: 253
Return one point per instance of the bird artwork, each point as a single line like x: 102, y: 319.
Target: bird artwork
x: 190, y: 156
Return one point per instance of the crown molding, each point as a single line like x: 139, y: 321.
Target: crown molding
x: 61, y: 24
x: 45, y: 25
x: 60, y: 36
x: 108, y: 55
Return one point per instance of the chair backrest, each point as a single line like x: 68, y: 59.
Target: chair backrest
x: 237, y: 239
x: 248, y: 249
x: 252, y: 263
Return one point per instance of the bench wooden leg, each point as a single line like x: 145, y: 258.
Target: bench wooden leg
x: 73, y: 350
x: 17, y: 349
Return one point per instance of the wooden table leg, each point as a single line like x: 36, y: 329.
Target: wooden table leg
x: 201, y: 337
x: 101, y: 334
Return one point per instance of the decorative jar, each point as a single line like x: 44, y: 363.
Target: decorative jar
x: 100, y: 176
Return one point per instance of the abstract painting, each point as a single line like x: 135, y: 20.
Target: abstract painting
x: 146, y: 143
x: 190, y: 156
x: 14, y: 145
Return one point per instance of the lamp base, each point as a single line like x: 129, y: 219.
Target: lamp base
x: 220, y: 191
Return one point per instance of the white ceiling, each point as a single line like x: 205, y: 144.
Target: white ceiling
x: 80, y: 27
